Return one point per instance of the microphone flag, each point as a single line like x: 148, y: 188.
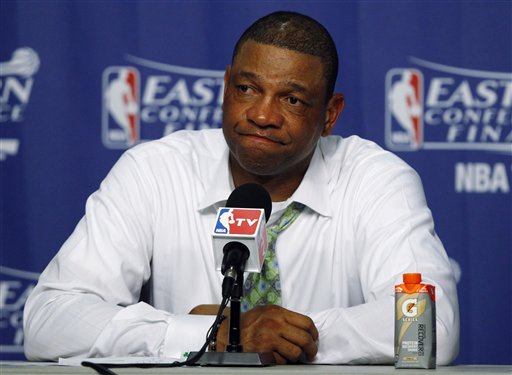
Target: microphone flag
x: 246, y: 226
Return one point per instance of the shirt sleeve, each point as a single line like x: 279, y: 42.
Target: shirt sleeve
x: 395, y: 235
x: 86, y: 302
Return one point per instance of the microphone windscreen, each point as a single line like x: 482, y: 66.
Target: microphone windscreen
x: 251, y: 195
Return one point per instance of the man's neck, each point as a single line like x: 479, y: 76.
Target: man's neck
x: 280, y: 186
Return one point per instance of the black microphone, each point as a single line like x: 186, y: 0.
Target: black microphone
x: 236, y: 253
x: 251, y: 195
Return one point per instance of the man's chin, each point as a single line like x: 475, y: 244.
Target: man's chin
x: 264, y: 167
x: 261, y: 169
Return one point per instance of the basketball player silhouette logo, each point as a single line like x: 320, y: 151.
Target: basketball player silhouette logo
x: 122, y: 104
x: 405, y: 106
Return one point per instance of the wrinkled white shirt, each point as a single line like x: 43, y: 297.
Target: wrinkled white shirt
x: 366, y: 223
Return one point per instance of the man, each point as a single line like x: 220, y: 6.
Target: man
x: 363, y: 222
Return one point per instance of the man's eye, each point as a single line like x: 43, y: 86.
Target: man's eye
x: 294, y: 101
x: 243, y: 88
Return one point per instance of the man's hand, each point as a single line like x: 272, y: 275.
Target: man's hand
x: 287, y: 334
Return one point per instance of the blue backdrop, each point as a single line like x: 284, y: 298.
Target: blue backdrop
x: 81, y: 81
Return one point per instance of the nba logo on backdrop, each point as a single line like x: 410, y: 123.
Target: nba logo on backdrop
x: 15, y: 287
x: 146, y: 100
x: 121, y: 93
x: 404, y: 109
x: 16, y: 83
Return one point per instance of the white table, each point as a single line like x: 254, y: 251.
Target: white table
x: 34, y: 368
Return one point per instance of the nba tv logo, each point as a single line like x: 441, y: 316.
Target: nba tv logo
x: 404, y: 109
x: 120, y: 118
x: 238, y: 221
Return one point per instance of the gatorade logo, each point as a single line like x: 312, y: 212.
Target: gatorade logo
x: 410, y: 307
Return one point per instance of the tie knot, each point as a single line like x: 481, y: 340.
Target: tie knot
x: 287, y: 218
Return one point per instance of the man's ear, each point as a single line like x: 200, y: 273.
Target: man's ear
x: 227, y: 74
x: 334, y: 108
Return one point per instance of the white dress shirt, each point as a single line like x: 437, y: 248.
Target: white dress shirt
x: 366, y: 223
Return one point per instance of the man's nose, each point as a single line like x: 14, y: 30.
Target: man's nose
x: 265, y: 112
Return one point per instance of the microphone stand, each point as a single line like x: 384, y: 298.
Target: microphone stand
x: 234, y: 355
x: 234, y: 345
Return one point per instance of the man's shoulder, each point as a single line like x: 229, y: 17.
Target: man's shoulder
x: 359, y: 156
x: 354, y: 148
x: 183, y: 143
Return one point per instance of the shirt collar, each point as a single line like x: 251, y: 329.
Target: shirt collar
x: 312, y: 191
x: 220, y: 183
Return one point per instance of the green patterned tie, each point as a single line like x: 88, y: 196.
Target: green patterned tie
x: 265, y: 288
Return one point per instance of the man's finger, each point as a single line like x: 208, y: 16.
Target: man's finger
x: 302, y: 339
x: 280, y: 360
x: 303, y: 322
x: 287, y: 349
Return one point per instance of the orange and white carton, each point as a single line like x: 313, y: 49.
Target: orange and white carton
x: 415, y: 323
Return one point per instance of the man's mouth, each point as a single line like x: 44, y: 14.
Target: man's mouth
x: 262, y: 137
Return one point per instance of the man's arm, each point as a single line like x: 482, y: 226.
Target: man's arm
x: 364, y: 334
x: 394, y: 234
x: 86, y: 301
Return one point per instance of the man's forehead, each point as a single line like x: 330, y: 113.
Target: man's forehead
x: 250, y: 45
x: 259, y: 61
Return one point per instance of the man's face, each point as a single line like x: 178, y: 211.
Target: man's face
x: 274, y: 109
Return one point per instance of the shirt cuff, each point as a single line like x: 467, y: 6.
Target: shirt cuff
x: 186, y: 333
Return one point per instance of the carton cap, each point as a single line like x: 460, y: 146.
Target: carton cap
x: 412, y: 278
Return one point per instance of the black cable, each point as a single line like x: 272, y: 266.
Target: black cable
x: 210, y: 336
x: 100, y: 369
x: 104, y: 368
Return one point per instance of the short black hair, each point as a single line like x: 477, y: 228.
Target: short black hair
x: 296, y: 32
